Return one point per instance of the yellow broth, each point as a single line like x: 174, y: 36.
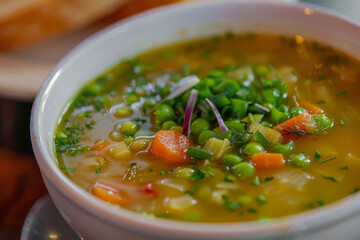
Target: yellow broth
x: 312, y: 71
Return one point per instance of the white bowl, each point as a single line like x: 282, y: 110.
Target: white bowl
x: 94, y: 219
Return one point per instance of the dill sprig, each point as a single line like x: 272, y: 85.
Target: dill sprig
x: 297, y: 131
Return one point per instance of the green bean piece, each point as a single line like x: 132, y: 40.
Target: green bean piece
x: 164, y: 112
x: 220, y: 100
x: 283, y: 148
x: 239, y: 107
x: 235, y: 125
x: 167, y: 125
x: 199, y: 125
x: 277, y: 116
x: 300, y: 160
x: 232, y: 159
x: 244, y: 170
x: 295, y: 111
x: 204, y: 136
x: 129, y: 128
x: 253, y: 148
x: 228, y: 87
x: 322, y: 121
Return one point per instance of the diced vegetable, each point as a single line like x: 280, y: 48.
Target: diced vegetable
x: 299, y: 160
x: 253, y: 148
x: 181, y: 203
x: 244, y: 170
x: 199, y: 153
x: 232, y: 159
x: 311, y: 108
x: 100, y: 145
x: 199, y: 125
x: 283, y: 148
x: 267, y: 160
x: 217, y: 147
x: 111, y: 195
x: 139, y: 145
x: 171, y: 147
x: 271, y: 134
x: 262, y: 139
x: 295, y: 127
x: 120, y: 151
x: 205, y: 135
x: 322, y: 121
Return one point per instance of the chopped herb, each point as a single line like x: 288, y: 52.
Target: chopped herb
x: 162, y: 173
x: 133, y: 164
x: 207, y: 54
x: 140, y: 120
x: 89, y: 126
x: 344, y: 168
x: 317, y: 155
x: 321, y: 102
x: 267, y: 179
x: 255, y: 181
x: 189, y: 193
x: 252, y: 210
x: 150, y: 170
x: 185, y: 69
x: 320, y: 203
x: 231, y: 205
x: 355, y: 190
x: 229, y: 178
x: 197, y: 175
x: 320, y: 77
x: 330, y: 178
x: 342, y: 123
x: 229, y: 35
x: 98, y: 170
x: 210, y: 173
x: 164, y: 215
x: 326, y: 160
x: 261, y: 200
x: 341, y: 93
x: 131, y: 172
x: 317, y: 203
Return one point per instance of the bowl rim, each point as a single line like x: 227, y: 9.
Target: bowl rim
x: 314, y: 219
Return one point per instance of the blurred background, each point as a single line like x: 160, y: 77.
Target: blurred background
x: 34, y: 35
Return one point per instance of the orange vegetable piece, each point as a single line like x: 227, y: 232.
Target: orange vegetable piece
x: 267, y: 160
x: 110, y: 195
x: 100, y: 146
x: 311, y: 108
x: 170, y: 146
x: 294, y: 127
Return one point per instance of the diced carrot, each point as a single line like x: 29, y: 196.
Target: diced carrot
x: 170, y: 146
x: 100, y: 145
x: 349, y: 78
x: 294, y: 127
x: 311, y: 108
x: 267, y: 160
x: 111, y: 195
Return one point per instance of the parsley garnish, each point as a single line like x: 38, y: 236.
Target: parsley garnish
x: 341, y: 93
x: 68, y: 170
x: 344, y: 168
x: 267, y: 179
x: 321, y: 102
x: 326, y: 160
x: 330, y: 178
x: 355, y: 190
x: 342, y: 123
x: 98, y: 170
x: 255, y: 181
x: 261, y: 200
x: 197, y: 175
x: 162, y: 173
x: 231, y: 205
x: 317, y: 155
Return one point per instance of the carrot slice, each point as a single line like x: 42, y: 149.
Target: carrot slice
x: 170, y: 146
x: 294, y: 127
x: 267, y: 160
x: 311, y: 108
x: 111, y: 195
x: 100, y: 145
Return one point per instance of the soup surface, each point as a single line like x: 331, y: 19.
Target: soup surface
x: 226, y: 129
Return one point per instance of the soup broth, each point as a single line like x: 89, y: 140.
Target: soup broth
x: 289, y: 142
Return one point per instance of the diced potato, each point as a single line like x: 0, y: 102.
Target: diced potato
x: 271, y: 134
x: 217, y: 196
x: 181, y: 203
x: 217, y: 147
x: 120, y: 151
x: 140, y: 144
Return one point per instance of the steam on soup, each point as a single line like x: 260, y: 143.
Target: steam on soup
x: 232, y: 128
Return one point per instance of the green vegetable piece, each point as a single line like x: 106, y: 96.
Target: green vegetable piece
x: 283, y: 148
x: 253, y: 148
x: 94, y: 89
x: 322, y: 121
x: 262, y: 139
x: 268, y: 96
x: 255, y: 118
x: 299, y: 160
x: 266, y: 124
x: 228, y: 87
x: 204, y: 89
x: 204, y: 136
x: 261, y: 200
x: 128, y: 140
x: 198, y: 175
x: 192, y: 216
x: 148, y: 104
x: 123, y: 112
x: 256, y: 181
x: 239, y: 107
x: 277, y: 116
x: 342, y: 123
x: 235, y: 125
x: 317, y: 156
x: 184, y: 172
x: 163, y: 113
x: 244, y: 170
x: 167, y: 125
x: 229, y: 178
x: 220, y: 100
x: 131, y: 98
x: 295, y: 111
x: 199, y: 125
x: 129, y: 128
x: 199, y: 153
x: 330, y: 178
x: 232, y: 159
x: 262, y: 70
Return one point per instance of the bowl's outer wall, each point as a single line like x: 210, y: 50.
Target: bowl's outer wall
x: 142, y: 33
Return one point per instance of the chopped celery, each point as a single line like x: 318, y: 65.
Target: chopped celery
x: 271, y: 134
x: 217, y: 147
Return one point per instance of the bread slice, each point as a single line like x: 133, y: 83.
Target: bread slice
x: 23, y: 22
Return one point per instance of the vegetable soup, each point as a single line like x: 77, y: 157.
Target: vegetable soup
x: 225, y: 129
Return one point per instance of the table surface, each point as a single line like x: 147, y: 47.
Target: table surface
x: 20, y: 179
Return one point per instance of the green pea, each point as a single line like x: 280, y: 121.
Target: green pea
x: 148, y: 104
x: 253, y: 148
x: 199, y: 125
x: 244, y: 170
x: 232, y: 159
x: 204, y: 136
x: 283, y: 148
x: 262, y: 70
x: 299, y: 160
x: 184, y: 172
x: 322, y: 121
x: 131, y: 98
x: 129, y: 128
x: 164, y: 112
x: 295, y: 111
x: 123, y: 112
x: 193, y: 216
x: 128, y: 140
x: 168, y: 125
x: 94, y: 89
